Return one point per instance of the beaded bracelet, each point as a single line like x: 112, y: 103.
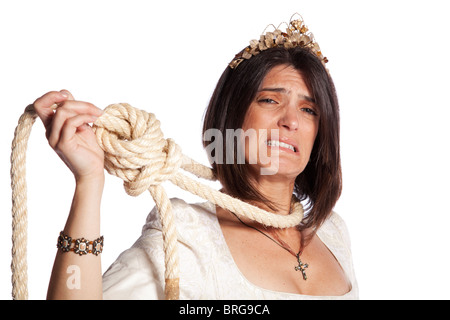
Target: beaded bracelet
x: 80, y: 246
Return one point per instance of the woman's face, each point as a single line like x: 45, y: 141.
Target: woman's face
x: 285, y: 119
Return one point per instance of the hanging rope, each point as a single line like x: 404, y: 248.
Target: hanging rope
x: 135, y: 151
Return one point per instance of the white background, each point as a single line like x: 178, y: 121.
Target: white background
x: 390, y: 63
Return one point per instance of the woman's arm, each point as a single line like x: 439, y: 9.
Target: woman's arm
x: 69, y: 134
x: 75, y: 276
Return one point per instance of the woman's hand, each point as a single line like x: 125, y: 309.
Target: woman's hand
x: 69, y: 134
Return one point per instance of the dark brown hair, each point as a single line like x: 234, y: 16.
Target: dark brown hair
x: 320, y: 184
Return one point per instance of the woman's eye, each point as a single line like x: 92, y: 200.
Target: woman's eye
x: 268, y: 100
x: 310, y: 111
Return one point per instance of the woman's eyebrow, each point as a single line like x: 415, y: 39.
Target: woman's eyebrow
x: 283, y: 90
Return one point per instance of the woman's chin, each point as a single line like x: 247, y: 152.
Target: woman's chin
x: 280, y: 169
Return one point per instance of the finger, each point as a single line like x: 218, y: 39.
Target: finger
x: 67, y: 92
x: 57, y: 122
x: 43, y: 105
x: 81, y: 107
x: 68, y: 109
x: 73, y: 125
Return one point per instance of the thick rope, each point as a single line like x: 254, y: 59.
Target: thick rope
x: 19, y: 204
x: 135, y: 151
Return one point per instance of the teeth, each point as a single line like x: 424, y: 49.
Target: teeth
x: 274, y: 143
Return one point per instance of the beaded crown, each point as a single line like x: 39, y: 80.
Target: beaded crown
x: 296, y: 35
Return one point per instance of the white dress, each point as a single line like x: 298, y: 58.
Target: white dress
x: 207, y: 269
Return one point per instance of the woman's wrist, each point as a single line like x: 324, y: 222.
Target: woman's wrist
x: 97, y: 180
x: 84, y: 216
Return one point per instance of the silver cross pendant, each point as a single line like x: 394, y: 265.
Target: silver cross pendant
x: 301, y: 267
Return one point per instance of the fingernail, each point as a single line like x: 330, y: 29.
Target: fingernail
x: 65, y: 95
x: 93, y: 119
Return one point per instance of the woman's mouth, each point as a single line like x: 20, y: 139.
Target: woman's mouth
x: 276, y: 143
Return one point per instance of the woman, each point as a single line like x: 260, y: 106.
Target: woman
x: 278, y: 89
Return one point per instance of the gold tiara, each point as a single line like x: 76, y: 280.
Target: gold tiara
x: 296, y: 35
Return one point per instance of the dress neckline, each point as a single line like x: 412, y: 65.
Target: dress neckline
x: 212, y: 208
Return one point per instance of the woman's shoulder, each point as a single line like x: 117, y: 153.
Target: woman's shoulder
x: 183, y: 212
x: 190, y: 219
x: 336, y: 227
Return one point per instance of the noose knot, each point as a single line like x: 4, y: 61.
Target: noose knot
x: 135, y: 148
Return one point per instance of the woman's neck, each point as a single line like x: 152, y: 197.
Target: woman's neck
x: 277, y: 191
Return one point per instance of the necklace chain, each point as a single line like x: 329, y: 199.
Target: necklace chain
x: 301, y: 266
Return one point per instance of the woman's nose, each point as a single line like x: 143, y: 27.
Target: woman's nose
x: 289, y: 119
